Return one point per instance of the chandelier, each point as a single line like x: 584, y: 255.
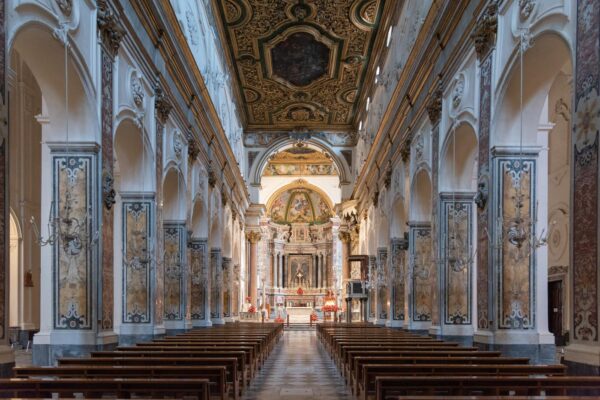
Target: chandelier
x: 63, y: 227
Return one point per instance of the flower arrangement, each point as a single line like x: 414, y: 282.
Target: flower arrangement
x: 330, y: 308
x: 313, y: 317
x: 279, y: 320
x: 252, y: 309
x: 300, y: 292
x: 248, y: 299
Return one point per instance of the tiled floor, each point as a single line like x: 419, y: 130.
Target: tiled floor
x: 298, y: 369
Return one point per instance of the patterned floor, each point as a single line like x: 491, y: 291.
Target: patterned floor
x: 298, y: 369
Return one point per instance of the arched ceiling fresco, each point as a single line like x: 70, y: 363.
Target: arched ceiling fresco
x: 299, y: 204
x: 299, y: 64
x: 297, y: 161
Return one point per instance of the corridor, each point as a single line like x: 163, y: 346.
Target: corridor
x: 298, y: 368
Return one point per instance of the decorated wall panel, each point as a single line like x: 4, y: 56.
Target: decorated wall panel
x: 74, y: 198
x: 300, y: 271
x: 457, y: 253
x: 515, y: 188
x: 372, y: 306
x: 383, y: 290
x: 216, y: 277
x: 422, y: 267
x: 137, y: 260
x: 199, y: 278
x: 398, y: 275
x: 174, y: 260
x: 300, y: 160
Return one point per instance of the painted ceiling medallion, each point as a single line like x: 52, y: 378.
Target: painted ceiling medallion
x: 299, y: 63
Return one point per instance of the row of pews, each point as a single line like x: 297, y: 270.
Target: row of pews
x: 389, y: 363
x: 201, y: 363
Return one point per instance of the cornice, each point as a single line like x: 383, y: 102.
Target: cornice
x: 409, y: 100
x: 159, y: 20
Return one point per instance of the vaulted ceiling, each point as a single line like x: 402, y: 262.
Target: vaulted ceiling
x: 299, y: 64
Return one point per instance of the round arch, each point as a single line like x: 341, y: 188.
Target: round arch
x: 134, y: 165
x: 299, y: 184
x: 174, y: 195
x: 420, y: 202
x: 459, y: 158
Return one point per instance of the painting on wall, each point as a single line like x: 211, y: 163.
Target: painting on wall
x: 173, y: 259
x: 422, y: 265
x: 74, y: 194
x: 136, y: 260
x: 300, y: 271
x: 299, y: 205
x: 456, y: 246
x: 299, y: 161
x: 198, y: 277
x: 383, y: 291
x: 216, y: 278
x: 517, y: 179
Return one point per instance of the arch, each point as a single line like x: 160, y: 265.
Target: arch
x: 299, y: 202
x: 284, y: 143
x: 227, y: 245
x: 398, y: 218
x: 549, y: 56
x: 45, y: 57
x: 299, y: 183
x: 174, y: 206
x: 420, y: 200
x: 199, y: 219
x: 459, y: 155
x: 135, y: 166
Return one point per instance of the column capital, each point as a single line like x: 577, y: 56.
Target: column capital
x: 486, y: 27
x: 344, y: 236
x: 111, y: 30
x: 253, y: 236
x: 434, y: 106
x: 161, y: 104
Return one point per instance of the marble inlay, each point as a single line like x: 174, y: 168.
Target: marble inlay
x: 298, y: 368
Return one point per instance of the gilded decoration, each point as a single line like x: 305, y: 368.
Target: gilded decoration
x: 73, y: 188
x: 299, y: 205
x: 422, y: 274
x: 173, y: 263
x: 136, y: 261
x: 300, y: 161
x: 299, y: 63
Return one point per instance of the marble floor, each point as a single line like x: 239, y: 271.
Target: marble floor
x: 297, y: 369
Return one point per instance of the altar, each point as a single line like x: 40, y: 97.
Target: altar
x: 299, y: 314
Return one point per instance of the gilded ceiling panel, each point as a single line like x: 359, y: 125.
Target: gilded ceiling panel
x: 300, y: 64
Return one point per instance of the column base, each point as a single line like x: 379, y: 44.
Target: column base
x: 582, y: 359
x: 513, y: 337
x: 381, y: 322
x: 201, y: 323
x: 394, y: 324
x: 159, y: 330
x: 218, y: 321
x: 229, y: 320
x: 418, y: 325
x: 7, y: 361
x: 434, y: 330
x: 175, y: 325
x: 47, y: 354
x: 457, y: 330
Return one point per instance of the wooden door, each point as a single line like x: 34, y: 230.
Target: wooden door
x: 555, y: 310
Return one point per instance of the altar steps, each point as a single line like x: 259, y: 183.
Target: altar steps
x: 300, y: 326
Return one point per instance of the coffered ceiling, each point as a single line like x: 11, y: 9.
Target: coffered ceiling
x: 299, y: 64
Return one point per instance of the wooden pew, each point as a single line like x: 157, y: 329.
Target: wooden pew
x: 396, y: 387
x: 121, y: 388
x: 231, y: 364
x: 214, y: 374
x: 371, y: 371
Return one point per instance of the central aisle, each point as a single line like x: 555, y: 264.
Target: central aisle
x: 298, y: 368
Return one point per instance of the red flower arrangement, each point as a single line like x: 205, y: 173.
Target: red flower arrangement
x: 313, y: 317
x: 252, y: 309
x: 330, y: 308
x: 279, y: 320
x: 248, y: 299
x: 300, y: 292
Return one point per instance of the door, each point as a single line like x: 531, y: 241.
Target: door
x: 555, y: 307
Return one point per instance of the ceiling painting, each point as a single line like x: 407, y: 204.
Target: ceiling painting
x: 300, y: 161
x: 299, y: 205
x: 300, y: 64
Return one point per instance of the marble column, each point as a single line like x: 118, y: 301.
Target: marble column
x: 372, y: 300
x: 345, y: 238
x: 382, y: 288
x: 484, y: 38
x: 398, y: 275
x: 163, y: 108
x: 275, y: 282
x: 422, y: 271
x: 227, y: 289
x: 280, y: 274
x: 456, y: 249
x: 253, y: 238
x: 174, y: 261
x: 216, y: 271
x: 200, y: 284
x: 583, y: 351
x: 434, y: 112
x: 7, y: 358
